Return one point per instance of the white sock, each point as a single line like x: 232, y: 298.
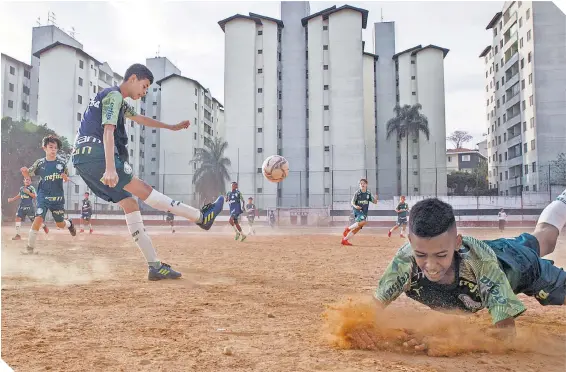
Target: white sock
x: 18, y: 226
x: 555, y: 213
x: 90, y: 225
x: 67, y: 223
x: 355, y: 225
x: 135, y: 225
x: 32, y: 238
x: 165, y: 204
x: 349, y: 236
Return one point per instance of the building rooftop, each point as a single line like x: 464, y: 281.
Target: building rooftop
x: 485, y: 51
x: 326, y: 12
x: 444, y: 50
x: 160, y: 82
x: 56, y: 44
x: 15, y: 60
x: 223, y: 22
x: 278, y: 21
x: 494, y: 20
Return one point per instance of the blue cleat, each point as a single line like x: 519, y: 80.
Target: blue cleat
x: 210, y: 212
x: 163, y: 272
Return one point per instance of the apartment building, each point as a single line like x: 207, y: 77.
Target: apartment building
x: 525, y: 102
x: 16, y: 83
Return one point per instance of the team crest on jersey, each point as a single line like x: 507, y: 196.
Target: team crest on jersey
x: 39, y: 211
x: 59, y: 167
x: 127, y: 168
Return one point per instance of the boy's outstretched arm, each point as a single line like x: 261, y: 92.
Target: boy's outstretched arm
x: 14, y: 198
x: 149, y: 122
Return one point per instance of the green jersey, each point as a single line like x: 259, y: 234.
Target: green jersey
x: 403, y: 213
x: 479, y: 283
x: 25, y: 199
x: 362, y: 199
x: 51, y: 178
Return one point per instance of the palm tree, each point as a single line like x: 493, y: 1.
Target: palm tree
x: 408, y: 120
x: 212, y: 172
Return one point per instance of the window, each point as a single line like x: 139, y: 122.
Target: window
x: 279, y: 94
x: 534, y: 166
x: 81, y: 64
x: 530, y: 78
x: 526, y: 169
x: 11, y: 87
x: 259, y: 190
x: 260, y: 51
x: 259, y: 150
x: 526, y: 187
x: 523, y: 84
x: 259, y: 170
x: 326, y: 128
x: 27, y: 74
x: 279, y: 114
x: 76, y: 189
x: 415, y: 156
x: 505, y: 155
x: 93, y: 89
x: 530, y: 100
x: 524, y: 106
x: 325, y: 67
x: 132, y: 137
x: 534, y: 188
x: 153, y: 145
x: 80, y: 99
x: 327, y: 190
x: 326, y: 148
x: 525, y: 148
x: 532, y: 144
x: 153, y: 159
x: 520, y: 22
x: 154, y: 103
x: 326, y: 107
x: 260, y: 71
x: 79, y: 116
x: 521, y: 43
x: 325, y: 47
x: 522, y: 63
x: 529, y: 57
x: 532, y: 124
x: 327, y: 169
x: 414, y: 93
x: 260, y: 32
x: 528, y: 14
x: 260, y: 90
x: 260, y: 109
x: 500, y: 176
x: 500, y: 158
x: 81, y: 82
x: 506, y: 175
x: 524, y: 126
x: 413, y: 78
x: 450, y: 159
x: 194, y: 136
x: 196, y: 107
x: 504, y: 137
x: 324, y: 28
x: 412, y: 61
x: 259, y: 130
x: 131, y: 152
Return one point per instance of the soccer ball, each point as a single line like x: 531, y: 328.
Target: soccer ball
x: 275, y: 168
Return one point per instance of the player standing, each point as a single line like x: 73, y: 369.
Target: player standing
x: 250, y: 208
x: 50, y: 196
x: 171, y: 220
x: 236, y: 202
x: 101, y: 159
x: 26, y: 209
x: 502, y: 217
x: 402, y: 210
x: 360, y: 205
x: 86, y: 213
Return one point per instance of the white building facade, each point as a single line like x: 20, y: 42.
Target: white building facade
x: 525, y: 101
x: 15, y: 91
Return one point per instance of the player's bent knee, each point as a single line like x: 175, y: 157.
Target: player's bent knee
x: 129, y: 205
x: 547, y: 236
x: 138, y: 188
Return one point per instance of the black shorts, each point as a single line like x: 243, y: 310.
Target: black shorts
x: 26, y: 211
x: 85, y: 217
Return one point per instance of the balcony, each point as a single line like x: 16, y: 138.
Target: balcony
x: 508, y: 41
x: 508, y: 20
x: 513, y: 57
x: 512, y: 101
x: 514, y: 141
x: 511, y: 81
x: 517, y: 160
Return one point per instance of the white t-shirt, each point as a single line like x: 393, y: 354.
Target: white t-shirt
x: 502, y: 216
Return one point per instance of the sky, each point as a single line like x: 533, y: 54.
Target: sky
x: 123, y: 33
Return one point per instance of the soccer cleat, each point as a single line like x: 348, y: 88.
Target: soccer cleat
x: 45, y: 229
x: 17, y: 237
x: 402, y: 236
x: 237, y: 236
x: 29, y: 251
x: 346, y: 232
x: 389, y: 234
x: 91, y: 231
x: 82, y: 231
x: 243, y: 238
x: 345, y: 242
x: 163, y: 272
x: 173, y: 231
x: 209, y: 213
x: 72, y: 229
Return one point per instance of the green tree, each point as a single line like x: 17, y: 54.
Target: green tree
x: 408, y: 121
x: 21, y: 146
x: 212, y: 172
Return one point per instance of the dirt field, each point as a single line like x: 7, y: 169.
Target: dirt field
x: 84, y: 304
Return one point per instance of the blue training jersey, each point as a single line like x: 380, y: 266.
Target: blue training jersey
x: 235, y: 201
x: 25, y: 199
x: 51, y: 178
x: 363, y: 199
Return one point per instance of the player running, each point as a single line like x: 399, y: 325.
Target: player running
x: 360, y: 205
x: 251, y: 212
x: 171, y: 221
x: 445, y: 270
x: 50, y: 196
x: 236, y: 202
x: 27, y: 195
x: 101, y: 159
x: 402, y: 212
x: 86, y: 213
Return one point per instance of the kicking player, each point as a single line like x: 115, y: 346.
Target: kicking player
x: 86, y: 213
x: 402, y: 211
x: 360, y: 205
x: 445, y: 270
x: 50, y: 196
x: 250, y: 208
x: 27, y: 195
x: 101, y: 159
x: 171, y: 220
x: 236, y: 202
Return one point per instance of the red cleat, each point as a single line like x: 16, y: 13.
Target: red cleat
x: 91, y: 231
x: 17, y: 237
x: 389, y: 234
x: 46, y: 229
x: 346, y: 231
x: 345, y: 242
x: 82, y: 231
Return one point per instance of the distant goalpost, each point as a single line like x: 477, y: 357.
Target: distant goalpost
x: 301, y: 216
